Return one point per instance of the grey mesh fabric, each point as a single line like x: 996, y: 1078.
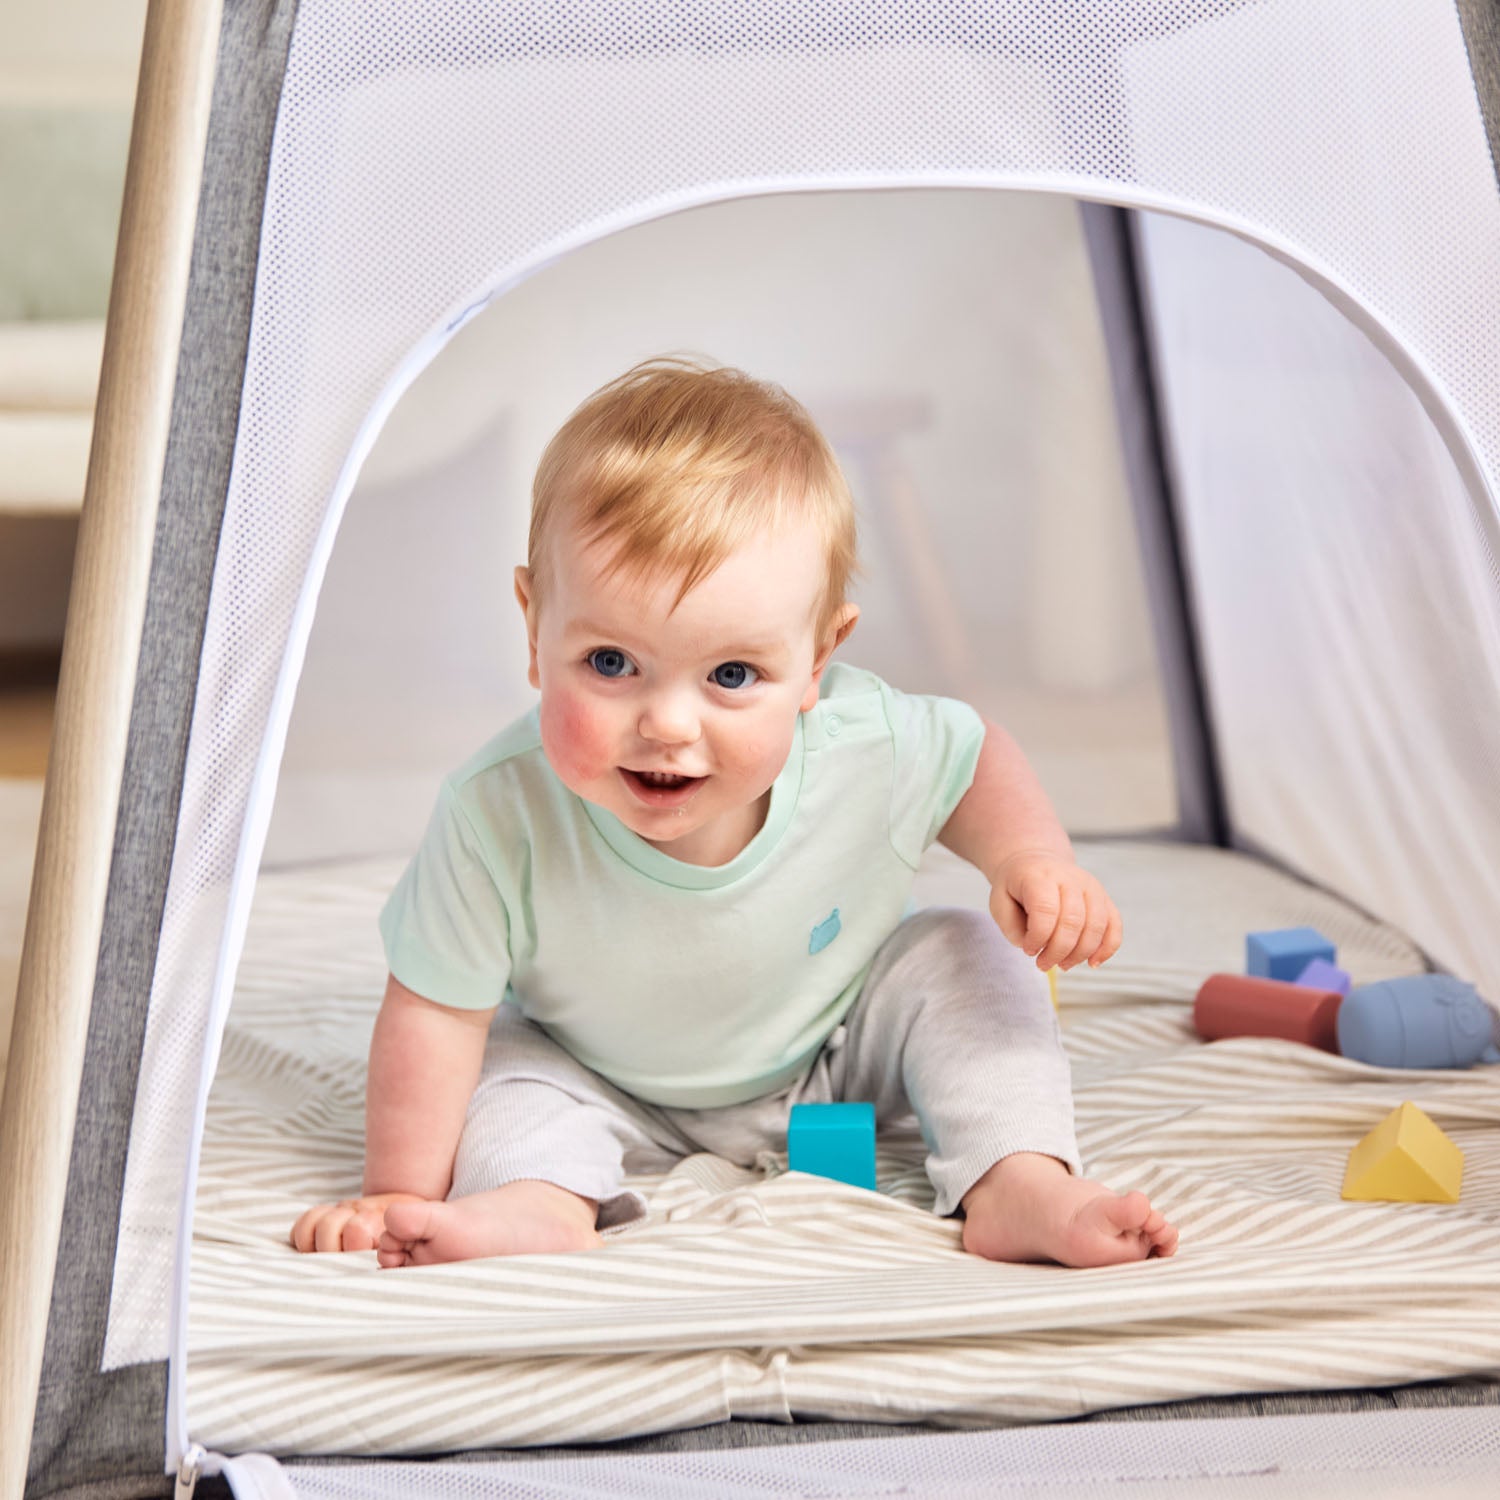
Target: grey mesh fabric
x: 1114, y: 259
x: 95, y: 1427
x: 1481, y: 24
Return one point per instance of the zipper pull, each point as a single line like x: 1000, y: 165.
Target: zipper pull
x: 188, y: 1472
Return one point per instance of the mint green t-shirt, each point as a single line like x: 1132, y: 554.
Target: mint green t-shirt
x: 684, y: 985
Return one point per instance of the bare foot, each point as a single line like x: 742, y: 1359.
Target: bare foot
x: 521, y: 1218
x: 1030, y: 1207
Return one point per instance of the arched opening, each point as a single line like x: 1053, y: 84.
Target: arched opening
x: 949, y: 343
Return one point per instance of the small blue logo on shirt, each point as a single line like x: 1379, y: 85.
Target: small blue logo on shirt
x: 825, y: 932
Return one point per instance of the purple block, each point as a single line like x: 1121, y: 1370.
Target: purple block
x: 1322, y: 975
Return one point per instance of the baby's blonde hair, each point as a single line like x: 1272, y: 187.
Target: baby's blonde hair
x: 676, y: 463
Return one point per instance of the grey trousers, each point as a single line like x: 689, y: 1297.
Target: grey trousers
x: 953, y: 1024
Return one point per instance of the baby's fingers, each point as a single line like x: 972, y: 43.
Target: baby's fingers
x: 1114, y: 932
x: 1088, y: 938
x: 1040, y: 900
x: 362, y: 1231
x: 1072, y: 913
x: 322, y: 1228
x: 304, y: 1231
x: 1088, y: 948
x: 329, y: 1233
x: 1010, y: 916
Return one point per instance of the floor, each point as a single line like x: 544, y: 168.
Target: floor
x: 25, y: 729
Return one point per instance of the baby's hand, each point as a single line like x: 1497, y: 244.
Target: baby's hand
x: 354, y: 1224
x: 1054, y: 911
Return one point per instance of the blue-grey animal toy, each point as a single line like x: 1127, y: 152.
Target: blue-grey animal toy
x: 1422, y: 1021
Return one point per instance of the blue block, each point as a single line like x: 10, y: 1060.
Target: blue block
x: 833, y: 1140
x: 1285, y: 953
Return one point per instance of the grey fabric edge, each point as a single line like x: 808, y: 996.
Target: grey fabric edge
x: 1480, y: 23
x: 1468, y: 1390
x: 1125, y: 324
x: 143, y: 1487
x: 128, y: 1488
x: 735, y: 1434
x: 94, y: 1427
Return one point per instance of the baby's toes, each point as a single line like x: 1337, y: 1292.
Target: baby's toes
x: 1129, y: 1225
x: 1128, y: 1214
x: 1157, y: 1237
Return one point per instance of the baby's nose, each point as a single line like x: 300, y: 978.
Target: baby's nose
x: 670, y: 719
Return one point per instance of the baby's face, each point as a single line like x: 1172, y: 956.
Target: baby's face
x: 677, y: 720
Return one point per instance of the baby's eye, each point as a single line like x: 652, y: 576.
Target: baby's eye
x: 733, y: 674
x: 610, y: 661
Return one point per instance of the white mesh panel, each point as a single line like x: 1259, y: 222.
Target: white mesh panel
x: 1349, y: 610
x: 1363, y: 1456
x: 425, y: 154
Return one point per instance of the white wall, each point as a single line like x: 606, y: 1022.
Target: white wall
x: 70, y: 51
x: 67, y: 86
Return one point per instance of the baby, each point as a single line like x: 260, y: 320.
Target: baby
x: 672, y: 901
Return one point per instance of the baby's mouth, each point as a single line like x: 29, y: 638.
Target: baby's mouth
x: 660, y: 788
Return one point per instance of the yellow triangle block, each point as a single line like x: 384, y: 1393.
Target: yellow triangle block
x: 1405, y: 1159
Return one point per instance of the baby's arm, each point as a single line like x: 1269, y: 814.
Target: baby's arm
x: 1044, y: 903
x: 424, y: 1064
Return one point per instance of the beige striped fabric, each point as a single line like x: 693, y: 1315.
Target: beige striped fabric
x: 772, y: 1295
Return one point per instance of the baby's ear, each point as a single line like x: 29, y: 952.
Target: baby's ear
x: 835, y: 633
x: 526, y: 598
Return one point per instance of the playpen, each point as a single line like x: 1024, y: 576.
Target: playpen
x: 1270, y: 468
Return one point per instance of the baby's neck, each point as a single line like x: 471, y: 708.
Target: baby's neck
x: 722, y: 840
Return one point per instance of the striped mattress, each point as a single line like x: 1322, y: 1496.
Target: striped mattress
x: 768, y: 1294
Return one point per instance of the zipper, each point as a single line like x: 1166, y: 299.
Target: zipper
x: 188, y: 1472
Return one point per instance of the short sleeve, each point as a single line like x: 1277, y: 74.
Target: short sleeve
x: 445, y: 926
x: 936, y: 744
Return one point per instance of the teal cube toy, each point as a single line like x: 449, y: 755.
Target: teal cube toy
x: 1285, y: 952
x: 833, y: 1140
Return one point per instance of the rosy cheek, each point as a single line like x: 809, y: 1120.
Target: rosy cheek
x: 758, y: 756
x: 575, y: 737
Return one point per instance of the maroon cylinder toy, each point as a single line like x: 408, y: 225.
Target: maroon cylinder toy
x: 1238, y: 1005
